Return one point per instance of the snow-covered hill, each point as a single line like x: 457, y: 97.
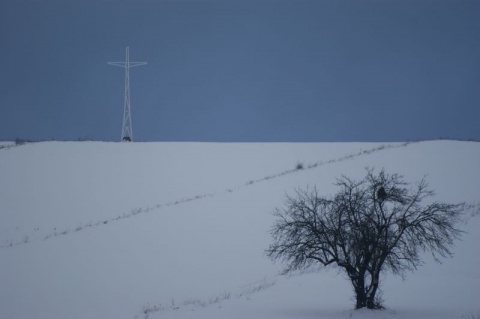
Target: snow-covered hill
x: 178, y: 230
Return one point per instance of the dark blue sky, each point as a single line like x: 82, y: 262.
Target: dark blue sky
x: 241, y: 70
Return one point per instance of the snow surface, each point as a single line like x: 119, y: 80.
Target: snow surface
x: 178, y: 230
x: 6, y: 144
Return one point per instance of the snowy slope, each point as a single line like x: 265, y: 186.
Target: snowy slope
x: 178, y: 230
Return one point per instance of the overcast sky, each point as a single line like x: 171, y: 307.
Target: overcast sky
x: 235, y: 71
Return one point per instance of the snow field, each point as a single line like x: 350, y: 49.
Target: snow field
x: 204, y: 258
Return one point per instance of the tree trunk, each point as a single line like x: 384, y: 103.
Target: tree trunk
x: 359, y: 287
x: 371, y: 294
x: 363, y: 297
x: 361, y: 300
x: 371, y: 301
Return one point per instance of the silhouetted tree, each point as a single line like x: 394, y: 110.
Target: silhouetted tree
x: 368, y: 227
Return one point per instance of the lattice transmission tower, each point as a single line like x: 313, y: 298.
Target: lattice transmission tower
x: 127, y: 135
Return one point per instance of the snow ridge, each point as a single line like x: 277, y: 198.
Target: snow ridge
x: 27, y: 239
x: 30, y: 238
x: 193, y: 304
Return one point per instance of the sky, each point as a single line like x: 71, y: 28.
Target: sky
x: 241, y: 71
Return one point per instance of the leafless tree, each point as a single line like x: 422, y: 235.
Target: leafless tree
x: 368, y: 227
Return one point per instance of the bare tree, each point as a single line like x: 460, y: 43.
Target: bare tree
x: 368, y: 227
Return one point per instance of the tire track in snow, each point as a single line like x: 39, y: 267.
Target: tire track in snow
x: 148, y: 209
x: 193, y: 304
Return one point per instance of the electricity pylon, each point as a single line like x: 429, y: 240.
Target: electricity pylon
x: 127, y: 135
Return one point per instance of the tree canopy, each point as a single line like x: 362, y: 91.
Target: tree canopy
x: 369, y: 226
